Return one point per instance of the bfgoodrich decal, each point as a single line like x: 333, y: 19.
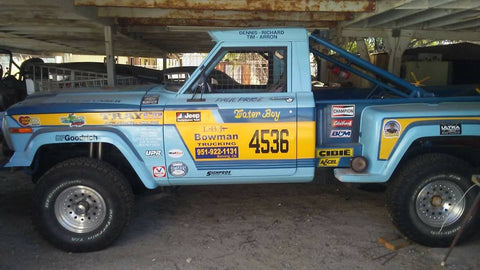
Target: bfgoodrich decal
x: 343, y: 111
x: 76, y: 138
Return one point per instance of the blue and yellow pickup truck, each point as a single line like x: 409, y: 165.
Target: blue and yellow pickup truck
x: 247, y: 114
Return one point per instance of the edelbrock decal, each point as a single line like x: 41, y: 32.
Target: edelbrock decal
x: 339, y: 111
x: 342, y: 122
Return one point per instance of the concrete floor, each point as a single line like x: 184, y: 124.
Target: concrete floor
x: 282, y: 226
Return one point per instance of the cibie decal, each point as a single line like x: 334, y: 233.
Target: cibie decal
x: 219, y: 173
x: 391, y: 129
x: 178, y: 169
x: 175, y: 153
x: 343, y: 111
x: 340, y: 133
x: 159, y: 171
x: 342, y: 122
x: 189, y: 117
x: 328, y: 162
x: 26, y: 120
x: 153, y: 153
x: 335, y: 152
x: 73, y: 120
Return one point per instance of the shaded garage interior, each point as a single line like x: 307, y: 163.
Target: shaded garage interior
x: 242, y: 227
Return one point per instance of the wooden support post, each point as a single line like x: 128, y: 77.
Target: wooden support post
x: 396, y: 46
x: 110, y: 56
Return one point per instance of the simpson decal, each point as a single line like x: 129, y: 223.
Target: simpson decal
x: 159, y: 171
x: 219, y: 173
x: 328, y: 162
x: 340, y: 133
x: 342, y: 123
x: 343, y: 111
x: 189, y: 117
x: 450, y: 129
x: 391, y: 129
x: 335, y: 152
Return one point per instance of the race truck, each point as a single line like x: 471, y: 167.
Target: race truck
x: 89, y: 151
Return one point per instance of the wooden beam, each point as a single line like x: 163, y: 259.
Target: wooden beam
x: 259, y: 5
x: 158, y: 13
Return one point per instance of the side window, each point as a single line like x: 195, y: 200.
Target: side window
x: 259, y: 70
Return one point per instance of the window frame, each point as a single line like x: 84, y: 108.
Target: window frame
x: 217, y: 59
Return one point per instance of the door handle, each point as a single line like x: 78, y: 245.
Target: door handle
x: 287, y: 99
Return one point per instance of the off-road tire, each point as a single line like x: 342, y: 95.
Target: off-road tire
x: 407, y: 183
x: 93, y: 174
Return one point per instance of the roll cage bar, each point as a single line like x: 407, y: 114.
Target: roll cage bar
x: 398, y: 85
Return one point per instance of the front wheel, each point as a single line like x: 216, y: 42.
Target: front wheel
x: 425, y: 199
x: 82, y: 205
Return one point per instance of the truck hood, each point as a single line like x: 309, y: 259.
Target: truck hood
x: 84, y: 101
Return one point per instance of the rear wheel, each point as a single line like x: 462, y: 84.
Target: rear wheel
x: 424, y: 199
x: 82, y: 205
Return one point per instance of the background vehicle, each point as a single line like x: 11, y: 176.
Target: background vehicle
x: 260, y: 124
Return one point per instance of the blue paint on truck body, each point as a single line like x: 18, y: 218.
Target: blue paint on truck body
x: 324, y: 127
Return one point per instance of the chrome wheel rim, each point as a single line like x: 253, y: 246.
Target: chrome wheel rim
x: 438, y: 205
x: 80, y: 209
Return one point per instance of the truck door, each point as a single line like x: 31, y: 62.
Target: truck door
x: 244, y: 124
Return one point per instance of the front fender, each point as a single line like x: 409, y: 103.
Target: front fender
x: 25, y: 152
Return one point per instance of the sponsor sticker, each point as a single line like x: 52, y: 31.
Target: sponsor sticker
x: 26, y: 120
x: 328, y: 162
x: 175, y: 153
x: 343, y: 111
x: 153, y: 153
x: 150, y: 100
x: 189, y: 117
x: 72, y: 120
x: 340, y: 133
x: 178, y: 169
x: 132, y: 118
x: 391, y: 129
x: 450, y: 129
x: 159, y: 171
x: 76, y: 138
x: 257, y: 114
x: 342, y: 123
x: 219, y: 173
x: 335, y: 152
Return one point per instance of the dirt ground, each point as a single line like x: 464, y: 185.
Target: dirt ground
x: 276, y: 226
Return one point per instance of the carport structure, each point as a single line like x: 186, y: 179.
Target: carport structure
x: 162, y: 28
